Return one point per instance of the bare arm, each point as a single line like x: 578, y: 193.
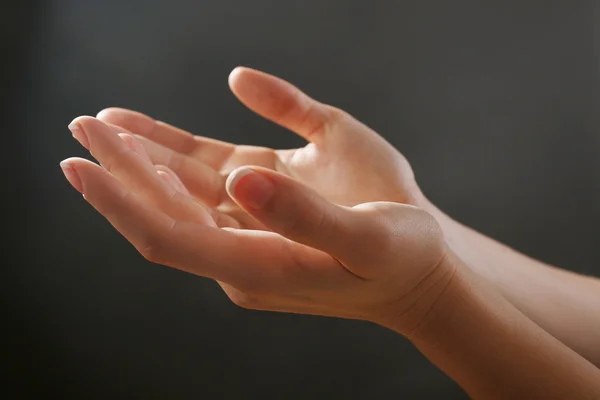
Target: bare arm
x: 362, y: 167
x: 565, y: 304
x: 381, y: 261
x: 495, y: 352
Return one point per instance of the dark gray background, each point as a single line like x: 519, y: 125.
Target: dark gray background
x: 492, y: 102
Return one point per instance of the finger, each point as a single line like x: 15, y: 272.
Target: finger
x: 173, y: 179
x: 242, y: 218
x: 210, y: 151
x: 282, y: 103
x: 241, y: 258
x: 233, y: 219
x: 300, y: 214
x: 128, y: 166
x: 135, y: 145
x: 207, y: 184
x: 201, y: 180
x: 135, y: 219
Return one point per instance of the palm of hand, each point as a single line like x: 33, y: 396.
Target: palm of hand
x: 347, y: 174
x: 345, y: 162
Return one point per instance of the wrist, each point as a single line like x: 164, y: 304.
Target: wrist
x: 492, y: 350
x: 461, y: 292
x: 424, y: 308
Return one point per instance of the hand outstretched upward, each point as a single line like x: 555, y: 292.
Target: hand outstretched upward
x: 348, y: 164
x: 344, y: 161
x: 383, y: 262
x: 318, y: 230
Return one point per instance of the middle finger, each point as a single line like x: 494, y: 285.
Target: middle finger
x: 128, y: 166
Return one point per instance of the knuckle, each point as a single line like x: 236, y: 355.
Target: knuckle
x: 115, y: 161
x: 305, y: 219
x: 291, y: 226
x: 335, y: 115
x: 310, y: 218
x: 310, y: 120
x: 153, y: 251
x: 321, y: 221
x: 322, y: 118
x: 155, y: 248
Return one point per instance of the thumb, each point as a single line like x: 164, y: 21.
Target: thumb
x: 370, y: 239
x: 293, y: 210
x: 283, y: 103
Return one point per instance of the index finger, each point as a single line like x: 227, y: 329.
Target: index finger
x: 244, y: 259
x: 210, y: 151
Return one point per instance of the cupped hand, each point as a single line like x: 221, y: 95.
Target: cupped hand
x: 384, y: 262
x: 344, y: 161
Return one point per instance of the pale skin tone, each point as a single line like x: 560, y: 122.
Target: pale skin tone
x: 339, y: 228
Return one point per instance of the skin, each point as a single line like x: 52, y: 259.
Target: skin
x: 300, y: 232
x: 348, y: 163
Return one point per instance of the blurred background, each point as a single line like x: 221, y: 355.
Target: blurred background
x: 492, y: 102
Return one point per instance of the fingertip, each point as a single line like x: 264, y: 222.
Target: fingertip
x: 107, y: 112
x: 245, y: 81
x: 239, y: 80
x: 249, y: 188
x: 83, y: 166
x: 85, y: 122
x: 234, y: 75
x: 233, y: 178
x: 82, y: 119
x: 129, y: 120
x: 73, y: 160
x: 68, y: 168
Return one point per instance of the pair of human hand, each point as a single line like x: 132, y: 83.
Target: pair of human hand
x: 332, y: 228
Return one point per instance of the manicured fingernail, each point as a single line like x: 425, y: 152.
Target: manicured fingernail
x: 171, y: 178
x: 251, y: 188
x: 71, y: 175
x: 79, y: 134
x: 168, y: 180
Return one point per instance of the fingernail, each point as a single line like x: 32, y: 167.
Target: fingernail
x: 79, y: 134
x: 171, y: 178
x: 252, y: 188
x: 71, y: 175
x: 168, y: 180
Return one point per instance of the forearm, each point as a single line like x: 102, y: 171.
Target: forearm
x: 495, y: 352
x: 565, y: 304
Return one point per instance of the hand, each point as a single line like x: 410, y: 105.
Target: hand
x: 383, y: 262
x: 345, y: 161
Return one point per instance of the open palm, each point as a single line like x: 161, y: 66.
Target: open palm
x: 308, y: 254
x: 344, y: 161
